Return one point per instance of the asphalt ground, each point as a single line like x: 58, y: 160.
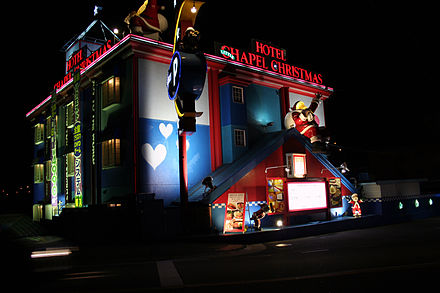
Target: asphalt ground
x: 398, y: 257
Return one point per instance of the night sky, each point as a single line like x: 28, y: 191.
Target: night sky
x: 381, y: 59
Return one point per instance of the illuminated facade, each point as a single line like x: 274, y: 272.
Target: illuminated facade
x: 110, y: 130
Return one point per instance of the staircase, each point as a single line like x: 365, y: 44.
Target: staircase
x: 229, y: 174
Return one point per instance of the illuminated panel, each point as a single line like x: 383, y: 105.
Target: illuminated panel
x: 303, y: 196
x: 299, y: 165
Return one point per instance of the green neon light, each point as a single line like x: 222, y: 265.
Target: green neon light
x: 226, y: 53
x: 53, y: 167
x: 53, y: 179
x: 77, y: 141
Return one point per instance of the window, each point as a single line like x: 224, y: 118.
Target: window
x: 237, y: 95
x: 39, y: 133
x: 48, y: 127
x: 70, y: 117
x: 70, y: 164
x: 110, y: 92
x: 48, y: 170
x: 240, y: 137
x: 38, y: 173
x: 111, y: 153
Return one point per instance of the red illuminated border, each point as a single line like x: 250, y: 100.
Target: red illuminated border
x: 312, y: 208
x: 169, y: 47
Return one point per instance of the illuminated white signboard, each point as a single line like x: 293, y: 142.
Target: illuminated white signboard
x: 304, y: 196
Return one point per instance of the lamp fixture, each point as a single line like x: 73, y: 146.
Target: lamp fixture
x: 194, y: 9
x: 286, y: 168
x: 343, y: 167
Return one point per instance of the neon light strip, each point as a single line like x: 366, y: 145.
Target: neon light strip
x: 153, y: 42
x: 39, y: 105
x: 170, y: 47
x: 117, y: 45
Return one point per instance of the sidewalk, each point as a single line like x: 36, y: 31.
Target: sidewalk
x: 303, y: 230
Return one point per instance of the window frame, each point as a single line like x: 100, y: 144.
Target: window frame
x: 239, y: 135
x: 237, y: 94
x: 111, y: 153
x: 111, y: 97
x: 38, y: 133
x: 39, y: 173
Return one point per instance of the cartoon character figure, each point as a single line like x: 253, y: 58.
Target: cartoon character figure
x: 258, y: 215
x: 190, y: 41
x: 355, y: 206
x: 147, y: 21
x: 304, y: 120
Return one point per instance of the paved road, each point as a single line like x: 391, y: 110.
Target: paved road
x: 401, y: 257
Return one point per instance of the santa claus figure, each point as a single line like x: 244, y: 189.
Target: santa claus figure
x: 355, y: 206
x: 304, y: 120
x: 147, y: 21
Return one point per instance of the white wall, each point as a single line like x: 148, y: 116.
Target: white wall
x: 161, y: 107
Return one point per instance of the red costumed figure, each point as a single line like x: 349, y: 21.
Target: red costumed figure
x: 303, y: 119
x: 355, y: 206
x: 147, y: 21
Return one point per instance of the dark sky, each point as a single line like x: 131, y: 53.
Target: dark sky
x: 381, y: 59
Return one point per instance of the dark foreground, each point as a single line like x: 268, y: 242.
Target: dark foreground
x: 400, y: 257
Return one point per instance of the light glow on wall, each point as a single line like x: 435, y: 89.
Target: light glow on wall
x: 303, y: 196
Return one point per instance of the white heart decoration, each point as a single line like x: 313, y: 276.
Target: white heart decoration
x: 166, y: 130
x: 154, y: 157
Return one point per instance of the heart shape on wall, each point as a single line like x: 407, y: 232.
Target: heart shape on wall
x: 166, y: 130
x: 156, y: 156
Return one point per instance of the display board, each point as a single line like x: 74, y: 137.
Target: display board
x: 303, y: 196
x: 235, y: 213
x: 335, y: 192
x: 275, y: 195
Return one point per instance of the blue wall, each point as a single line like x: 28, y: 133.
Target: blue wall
x: 261, y: 106
x: 233, y: 116
x: 159, y: 164
x: 231, y: 113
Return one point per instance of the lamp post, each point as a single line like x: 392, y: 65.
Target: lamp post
x: 185, y: 82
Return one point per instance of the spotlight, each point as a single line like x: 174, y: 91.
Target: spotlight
x: 280, y: 223
x: 208, y: 182
x: 194, y: 9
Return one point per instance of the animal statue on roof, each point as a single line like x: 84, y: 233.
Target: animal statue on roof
x: 147, y: 21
